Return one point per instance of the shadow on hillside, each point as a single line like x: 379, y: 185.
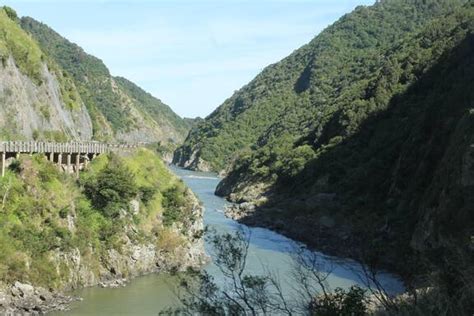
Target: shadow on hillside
x: 399, y: 173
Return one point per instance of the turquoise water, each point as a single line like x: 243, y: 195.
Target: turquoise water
x: 268, y: 250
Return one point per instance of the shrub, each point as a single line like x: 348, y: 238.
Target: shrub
x: 342, y: 302
x: 15, y: 166
x: 11, y: 13
x: 112, y: 188
x: 147, y: 193
x: 173, y: 203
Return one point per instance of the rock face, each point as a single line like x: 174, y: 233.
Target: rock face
x: 192, y: 161
x: 25, y: 299
x: 28, y: 109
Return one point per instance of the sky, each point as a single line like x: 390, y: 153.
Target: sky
x: 192, y: 55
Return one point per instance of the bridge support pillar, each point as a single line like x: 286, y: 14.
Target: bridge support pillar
x: 51, y: 156
x: 3, y: 163
x: 68, y: 162
x: 77, y: 164
x: 60, y: 159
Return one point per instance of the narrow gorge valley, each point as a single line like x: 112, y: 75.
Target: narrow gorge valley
x: 338, y: 181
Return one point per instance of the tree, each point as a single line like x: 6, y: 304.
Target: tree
x: 245, y: 294
x: 11, y: 13
x: 112, y: 188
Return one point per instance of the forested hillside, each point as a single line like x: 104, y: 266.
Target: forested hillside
x: 361, y: 142
x: 322, y: 82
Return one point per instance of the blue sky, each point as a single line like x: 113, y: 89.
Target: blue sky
x: 190, y: 54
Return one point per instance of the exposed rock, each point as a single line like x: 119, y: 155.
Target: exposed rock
x: 134, y: 207
x: 25, y: 299
x: 114, y: 283
x: 191, y: 162
x: 22, y: 289
x: 27, y: 107
x: 239, y: 211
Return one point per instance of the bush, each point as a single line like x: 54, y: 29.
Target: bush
x: 341, y: 302
x: 15, y: 166
x: 173, y: 203
x: 11, y: 13
x: 112, y: 188
x: 147, y: 193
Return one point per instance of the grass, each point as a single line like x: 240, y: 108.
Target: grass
x: 17, y: 43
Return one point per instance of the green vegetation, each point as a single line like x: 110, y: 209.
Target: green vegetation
x: 328, y: 81
x: 369, y: 125
x: 160, y: 112
x: 16, y: 43
x: 39, y: 204
x: 242, y: 293
x: 34, y: 194
x: 112, y: 188
x: 174, y: 203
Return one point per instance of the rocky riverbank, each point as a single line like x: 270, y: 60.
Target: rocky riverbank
x: 324, y: 233
x: 116, y: 270
x: 25, y: 299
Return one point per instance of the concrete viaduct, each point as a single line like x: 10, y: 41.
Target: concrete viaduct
x: 70, y: 155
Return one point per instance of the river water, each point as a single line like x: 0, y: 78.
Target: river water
x: 268, y: 250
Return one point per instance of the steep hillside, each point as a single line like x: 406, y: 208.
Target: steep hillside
x: 361, y: 142
x: 125, y: 217
x: 396, y: 191
x: 119, y: 109
x: 51, y: 89
x: 318, y: 82
x: 393, y: 165
x: 37, y: 99
x: 172, y: 126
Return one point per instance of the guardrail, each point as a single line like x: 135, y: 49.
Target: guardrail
x: 79, y: 152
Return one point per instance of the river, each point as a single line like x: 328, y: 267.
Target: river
x: 149, y: 294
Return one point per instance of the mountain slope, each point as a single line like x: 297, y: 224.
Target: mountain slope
x: 398, y: 192
x: 54, y: 90
x: 409, y: 160
x: 369, y: 148
x: 37, y: 98
x: 172, y: 126
x: 119, y: 109
x: 310, y: 87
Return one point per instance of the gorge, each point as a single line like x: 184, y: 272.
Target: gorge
x: 358, y: 148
